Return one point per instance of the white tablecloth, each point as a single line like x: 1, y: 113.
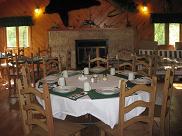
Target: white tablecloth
x: 104, y: 109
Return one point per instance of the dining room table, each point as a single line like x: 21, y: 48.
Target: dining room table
x: 101, y: 100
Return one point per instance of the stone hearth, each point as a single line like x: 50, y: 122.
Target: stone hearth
x: 63, y: 41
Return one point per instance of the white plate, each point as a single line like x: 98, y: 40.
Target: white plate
x: 64, y: 89
x: 51, y: 78
x: 125, y: 72
x: 108, y: 91
x: 141, y: 81
x: 97, y: 69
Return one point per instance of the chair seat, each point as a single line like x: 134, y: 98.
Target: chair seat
x: 62, y: 128
x: 137, y: 129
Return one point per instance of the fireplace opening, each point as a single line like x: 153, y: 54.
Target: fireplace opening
x: 94, y: 47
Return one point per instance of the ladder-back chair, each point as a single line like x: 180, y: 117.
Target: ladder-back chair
x: 137, y: 126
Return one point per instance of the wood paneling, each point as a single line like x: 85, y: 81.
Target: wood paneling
x: 98, y: 14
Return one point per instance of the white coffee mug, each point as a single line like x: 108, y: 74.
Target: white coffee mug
x: 112, y: 71
x: 65, y: 73
x: 87, y: 86
x: 61, y: 81
x: 86, y: 71
x: 131, y: 76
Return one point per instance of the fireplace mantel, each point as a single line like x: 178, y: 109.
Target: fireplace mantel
x: 62, y: 41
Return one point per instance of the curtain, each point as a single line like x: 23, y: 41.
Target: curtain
x: 166, y: 17
x: 16, y: 21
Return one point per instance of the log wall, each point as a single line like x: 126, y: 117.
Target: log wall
x: 42, y: 24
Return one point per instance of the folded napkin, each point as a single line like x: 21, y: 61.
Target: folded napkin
x: 73, y: 95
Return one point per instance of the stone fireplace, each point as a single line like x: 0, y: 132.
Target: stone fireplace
x: 109, y: 41
x: 92, y: 47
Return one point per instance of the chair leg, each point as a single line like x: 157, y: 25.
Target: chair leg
x: 77, y: 134
x: 102, y: 133
x: 168, y: 124
x: 162, y: 130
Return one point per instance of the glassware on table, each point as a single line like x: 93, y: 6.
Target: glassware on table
x: 131, y: 76
x: 61, y: 81
x: 86, y: 71
x: 104, y: 77
x: 65, y: 73
x: 112, y: 71
x: 87, y: 86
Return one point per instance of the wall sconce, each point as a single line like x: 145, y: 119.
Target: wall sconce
x: 143, y: 8
x: 37, y: 11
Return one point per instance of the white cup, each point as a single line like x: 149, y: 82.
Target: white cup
x: 86, y: 71
x: 65, y: 73
x: 61, y: 81
x: 87, y: 86
x: 131, y: 76
x: 112, y: 71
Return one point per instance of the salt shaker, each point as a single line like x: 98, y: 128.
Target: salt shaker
x: 92, y: 79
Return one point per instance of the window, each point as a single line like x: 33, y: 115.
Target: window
x: 174, y: 33
x: 17, y: 36
x: 159, y: 33
x: 170, y: 31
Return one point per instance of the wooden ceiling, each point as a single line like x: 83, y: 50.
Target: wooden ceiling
x: 1, y: 1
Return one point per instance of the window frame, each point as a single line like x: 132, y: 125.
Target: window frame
x: 167, y: 33
x: 17, y: 38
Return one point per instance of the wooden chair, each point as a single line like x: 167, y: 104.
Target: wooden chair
x: 21, y: 52
x: 136, y: 126
x: 162, y: 112
x: 51, y: 66
x: 45, y: 52
x: 45, y: 125
x: 167, y: 96
x: 126, y: 64
x: 13, y: 73
x: 143, y: 65
x: 98, y: 62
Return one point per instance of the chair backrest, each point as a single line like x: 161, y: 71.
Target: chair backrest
x: 126, y: 64
x: 45, y: 52
x: 143, y: 65
x: 9, y: 52
x: 29, y: 109
x: 148, y: 119
x: 167, y: 95
x: 51, y: 65
x: 98, y: 62
x: 125, y: 53
x: 21, y: 52
x: 12, y: 64
x: 28, y: 78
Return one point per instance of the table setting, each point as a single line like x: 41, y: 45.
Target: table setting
x: 78, y: 93
x: 81, y: 83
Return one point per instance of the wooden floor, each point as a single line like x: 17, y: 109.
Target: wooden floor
x: 10, y: 123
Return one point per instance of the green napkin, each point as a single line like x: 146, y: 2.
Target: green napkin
x: 74, y: 95
x: 130, y: 84
x: 121, y: 76
x: 138, y: 76
x: 94, y: 95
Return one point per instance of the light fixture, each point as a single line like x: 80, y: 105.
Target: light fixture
x: 37, y: 11
x: 145, y: 8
